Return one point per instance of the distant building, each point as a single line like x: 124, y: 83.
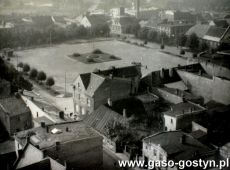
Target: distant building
x: 72, y: 144
x: 15, y: 115
x: 171, y: 29
x: 89, y: 21
x: 117, y: 12
x: 212, y: 35
x: 173, y: 145
x: 181, y: 116
x: 123, y: 24
x: 94, y: 89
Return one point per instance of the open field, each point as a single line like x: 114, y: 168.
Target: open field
x: 55, y: 61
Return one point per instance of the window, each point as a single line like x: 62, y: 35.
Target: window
x: 161, y: 157
x: 171, y: 121
x: 88, y: 102
x: 154, y: 152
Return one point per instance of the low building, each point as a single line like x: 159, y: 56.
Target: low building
x: 70, y: 143
x: 181, y: 115
x: 15, y: 115
x: 94, y: 89
x: 39, y: 161
x: 173, y: 145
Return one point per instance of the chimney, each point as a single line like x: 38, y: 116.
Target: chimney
x: 58, y: 146
x: 183, y: 139
x: 43, y: 124
x: 124, y: 113
x: 110, y: 103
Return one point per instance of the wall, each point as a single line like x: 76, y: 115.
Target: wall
x: 196, y: 126
x: 149, y: 153
x: 170, y: 123
x: 215, y: 70
x: 35, y: 109
x: 216, y: 89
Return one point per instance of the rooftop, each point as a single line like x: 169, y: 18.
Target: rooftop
x: 13, y: 106
x: 184, y: 108
x: 67, y: 131
x: 176, y: 150
x: 200, y: 30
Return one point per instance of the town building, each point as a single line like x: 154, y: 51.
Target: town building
x: 90, y: 21
x: 123, y: 24
x: 15, y: 115
x: 173, y: 145
x: 181, y: 115
x: 94, y: 89
x: 213, y: 36
x: 72, y: 144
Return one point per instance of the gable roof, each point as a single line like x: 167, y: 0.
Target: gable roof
x: 200, y: 30
x: 13, y: 106
x: 97, y: 19
x: 101, y: 117
x: 85, y: 78
x: 171, y: 142
x: 215, y: 33
x: 94, y: 83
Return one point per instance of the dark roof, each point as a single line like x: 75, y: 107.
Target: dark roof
x: 59, y: 19
x: 200, y: 30
x: 44, y: 165
x: 171, y: 143
x: 214, y: 31
x: 101, y: 117
x: 221, y: 23
x: 184, y: 108
x: 123, y: 72
x: 13, y: 106
x: 97, y: 19
x: 198, y: 134
x: 43, y: 139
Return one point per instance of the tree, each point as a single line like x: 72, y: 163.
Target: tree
x: 50, y: 81
x: 33, y: 73
x: 20, y: 65
x: 204, y: 46
x: 193, y: 42
x: 26, y: 68
x: 24, y: 84
x: 41, y: 76
x: 152, y: 35
x: 182, y: 40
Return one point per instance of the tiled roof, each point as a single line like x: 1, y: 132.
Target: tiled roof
x: 200, y: 30
x: 184, y: 108
x: 170, y: 142
x: 101, y: 117
x: 214, y: 33
x: 125, y: 21
x: 13, y: 106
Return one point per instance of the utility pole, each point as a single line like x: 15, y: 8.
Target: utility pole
x: 65, y: 83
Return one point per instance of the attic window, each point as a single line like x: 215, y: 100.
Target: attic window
x: 56, y: 131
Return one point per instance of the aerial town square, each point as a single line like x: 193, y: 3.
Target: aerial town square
x: 114, y: 84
